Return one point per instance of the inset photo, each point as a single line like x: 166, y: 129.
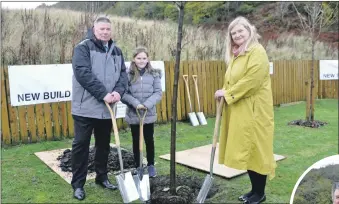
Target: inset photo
x: 319, y: 183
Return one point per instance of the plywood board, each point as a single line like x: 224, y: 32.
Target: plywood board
x: 199, y: 158
x: 50, y: 159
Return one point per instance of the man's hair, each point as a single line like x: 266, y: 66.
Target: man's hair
x: 102, y: 19
x: 334, y: 188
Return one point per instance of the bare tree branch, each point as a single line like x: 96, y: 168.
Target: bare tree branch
x: 303, y: 23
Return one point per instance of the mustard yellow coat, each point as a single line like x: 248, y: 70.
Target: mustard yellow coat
x: 247, y: 125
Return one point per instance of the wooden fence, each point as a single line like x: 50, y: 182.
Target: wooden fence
x: 53, y: 121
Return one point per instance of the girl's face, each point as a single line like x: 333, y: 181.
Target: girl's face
x: 141, y: 60
x: 239, y: 34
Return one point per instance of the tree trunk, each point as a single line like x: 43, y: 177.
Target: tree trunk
x: 174, y: 99
x: 310, y: 112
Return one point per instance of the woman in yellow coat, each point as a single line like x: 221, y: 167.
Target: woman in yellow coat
x: 247, y: 125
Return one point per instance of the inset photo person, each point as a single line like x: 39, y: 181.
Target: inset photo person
x: 335, y: 193
x: 319, y: 183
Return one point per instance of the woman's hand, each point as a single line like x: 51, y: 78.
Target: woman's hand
x: 219, y: 93
x: 140, y: 106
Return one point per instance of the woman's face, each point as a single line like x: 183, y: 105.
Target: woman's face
x: 239, y: 34
x: 336, y: 197
x: 141, y: 60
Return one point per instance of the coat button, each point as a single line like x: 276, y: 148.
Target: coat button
x: 228, y: 82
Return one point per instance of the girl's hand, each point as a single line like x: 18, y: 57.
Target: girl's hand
x: 219, y: 93
x: 140, y: 106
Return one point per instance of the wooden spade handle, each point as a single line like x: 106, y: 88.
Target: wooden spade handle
x: 217, y: 121
x: 141, y: 135
x: 195, y: 79
x: 114, y: 122
x: 188, y: 91
x: 141, y: 128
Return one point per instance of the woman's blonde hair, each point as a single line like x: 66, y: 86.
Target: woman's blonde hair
x: 134, y: 72
x: 253, y: 36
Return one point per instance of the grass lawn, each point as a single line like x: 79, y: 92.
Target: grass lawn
x: 25, y: 178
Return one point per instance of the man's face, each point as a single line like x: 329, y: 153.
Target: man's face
x: 336, y: 197
x: 102, y: 31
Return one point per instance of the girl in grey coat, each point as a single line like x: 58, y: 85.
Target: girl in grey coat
x: 144, y: 92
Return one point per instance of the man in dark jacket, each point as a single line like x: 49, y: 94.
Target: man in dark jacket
x: 99, y: 77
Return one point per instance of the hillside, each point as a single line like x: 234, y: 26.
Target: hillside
x: 47, y: 36
x: 271, y: 18
x: 316, y: 186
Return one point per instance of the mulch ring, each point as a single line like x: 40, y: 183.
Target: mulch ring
x: 305, y: 123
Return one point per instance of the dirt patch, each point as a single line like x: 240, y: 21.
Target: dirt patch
x: 311, y: 124
x: 112, y: 165
x: 187, y: 190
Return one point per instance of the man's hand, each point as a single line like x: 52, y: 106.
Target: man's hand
x: 140, y: 106
x: 219, y: 93
x: 108, y: 98
x: 116, y: 96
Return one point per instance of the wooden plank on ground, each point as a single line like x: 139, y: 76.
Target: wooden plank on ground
x: 198, y: 158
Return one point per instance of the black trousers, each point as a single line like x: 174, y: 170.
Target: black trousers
x: 258, y: 182
x: 149, y: 141
x: 83, y: 128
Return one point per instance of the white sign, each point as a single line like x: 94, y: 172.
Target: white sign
x: 328, y: 69
x: 271, y: 68
x: 36, y: 84
x: 120, y: 110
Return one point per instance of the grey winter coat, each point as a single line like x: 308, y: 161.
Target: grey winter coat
x: 96, y: 73
x: 145, y: 90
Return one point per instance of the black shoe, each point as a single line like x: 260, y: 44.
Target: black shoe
x: 255, y: 199
x: 79, y: 193
x: 245, y: 196
x: 106, y: 184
